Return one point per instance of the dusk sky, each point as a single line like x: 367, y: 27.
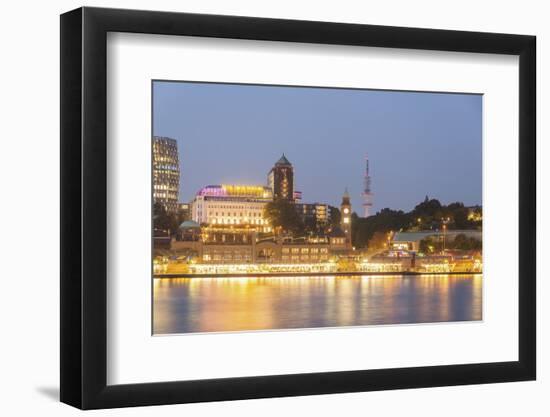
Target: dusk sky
x: 418, y: 143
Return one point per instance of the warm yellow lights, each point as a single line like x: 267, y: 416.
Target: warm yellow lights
x: 379, y: 267
x: 262, y: 268
x: 246, y: 190
x: 160, y: 265
x: 438, y: 267
x: 476, y: 217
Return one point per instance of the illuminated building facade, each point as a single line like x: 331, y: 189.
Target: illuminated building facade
x: 232, y: 205
x: 313, y: 213
x: 166, y: 173
x: 231, y: 246
x: 281, y: 179
x: 411, y: 240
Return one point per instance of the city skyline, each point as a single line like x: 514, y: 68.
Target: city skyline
x: 217, y: 127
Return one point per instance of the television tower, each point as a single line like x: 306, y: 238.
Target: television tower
x: 367, y: 195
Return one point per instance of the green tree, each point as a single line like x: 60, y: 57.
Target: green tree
x: 378, y: 241
x: 462, y: 242
x: 430, y: 245
x: 428, y: 208
x: 282, y: 214
x: 162, y: 220
x: 335, y: 216
x: 310, y: 224
x: 386, y: 220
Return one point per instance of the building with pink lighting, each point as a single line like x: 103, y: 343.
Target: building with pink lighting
x: 232, y: 205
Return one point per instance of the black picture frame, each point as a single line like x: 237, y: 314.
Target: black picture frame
x: 84, y: 207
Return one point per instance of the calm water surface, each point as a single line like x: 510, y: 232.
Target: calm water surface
x: 184, y: 305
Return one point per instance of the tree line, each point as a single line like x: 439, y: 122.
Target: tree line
x: 430, y: 214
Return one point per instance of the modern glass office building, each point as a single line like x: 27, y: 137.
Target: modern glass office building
x: 166, y: 173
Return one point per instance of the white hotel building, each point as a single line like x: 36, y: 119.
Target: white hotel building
x: 240, y: 205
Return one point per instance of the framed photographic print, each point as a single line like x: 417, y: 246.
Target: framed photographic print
x: 258, y: 207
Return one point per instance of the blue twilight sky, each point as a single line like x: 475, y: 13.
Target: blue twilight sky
x: 418, y: 143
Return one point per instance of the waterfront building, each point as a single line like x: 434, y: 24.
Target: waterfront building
x: 232, y: 205
x: 304, y: 252
x: 234, y: 246
x: 189, y: 231
x: 313, y: 214
x: 345, y: 221
x: 411, y: 240
x: 338, y: 239
x: 227, y: 254
x: 166, y: 173
x: 281, y: 179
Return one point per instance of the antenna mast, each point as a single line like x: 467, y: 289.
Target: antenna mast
x: 367, y: 195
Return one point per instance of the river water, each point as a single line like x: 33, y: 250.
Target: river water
x: 190, y: 305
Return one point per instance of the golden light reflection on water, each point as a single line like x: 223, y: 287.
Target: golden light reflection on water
x: 184, y: 305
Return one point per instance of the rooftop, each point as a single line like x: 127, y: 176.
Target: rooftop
x: 189, y: 224
x: 232, y: 190
x: 418, y: 236
x: 283, y: 161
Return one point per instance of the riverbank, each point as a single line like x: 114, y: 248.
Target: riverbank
x: 310, y: 274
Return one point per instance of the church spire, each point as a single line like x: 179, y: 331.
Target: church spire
x: 346, y: 197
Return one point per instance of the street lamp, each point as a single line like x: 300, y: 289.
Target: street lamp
x: 444, y: 221
x: 389, y: 238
